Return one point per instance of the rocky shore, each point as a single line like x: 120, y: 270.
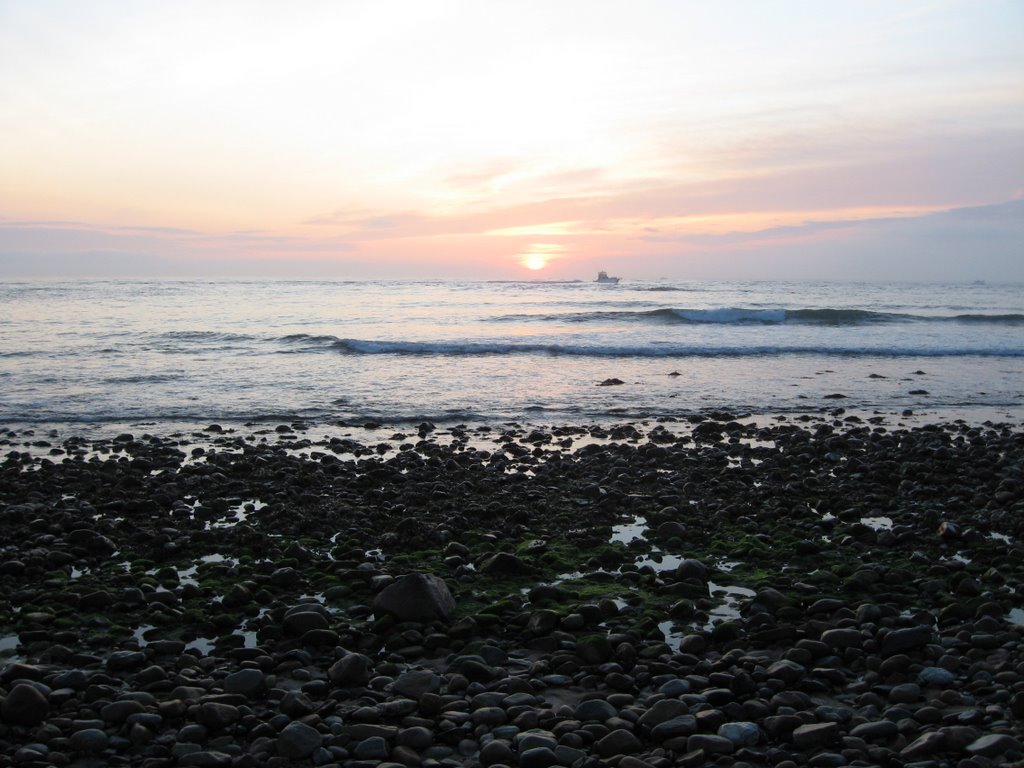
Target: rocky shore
x: 816, y: 591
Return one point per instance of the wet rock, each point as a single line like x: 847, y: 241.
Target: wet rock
x: 924, y: 745
x: 298, y: 741
x: 839, y: 639
x: 91, y: 541
x: 692, y: 569
x: 301, y: 620
x: 237, y: 596
x: 498, y: 751
x: 994, y: 744
x: 875, y: 731
x: 685, y: 725
x: 815, y: 735
x: 89, y: 740
x: 786, y: 670
x: 906, y: 693
x: 416, y: 597
x: 24, y: 705
x: 372, y: 748
x: 414, y: 683
x: 936, y: 676
x: 203, y: 758
x: 296, y: 704
x: 538, y: 757
x: 119, y: 661
x: 741, y: 734
x: 899, y: 640
x: 618, y: 742
x: 709, y: 744
x: 670, y: 529
x: 594, y: 649
x: 247, y: 682
x: 594, y: 709
x: 119, y: 711
x: 215, y: 715
x: 663, y: 711
x: 505, y: 564
x: 350, y: 670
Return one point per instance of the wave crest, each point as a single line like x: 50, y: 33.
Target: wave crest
x: 476, y: 349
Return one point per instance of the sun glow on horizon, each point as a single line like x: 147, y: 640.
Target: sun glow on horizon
x: 484, y: 139
x: 539, y: 255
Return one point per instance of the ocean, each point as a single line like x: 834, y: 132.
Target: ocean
x: 95, y: 353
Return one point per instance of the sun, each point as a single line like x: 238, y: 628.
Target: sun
x: 535, y: 261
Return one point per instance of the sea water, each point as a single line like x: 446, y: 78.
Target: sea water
x: 96, y: 352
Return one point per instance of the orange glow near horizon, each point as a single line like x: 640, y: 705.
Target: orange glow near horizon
x: 449, y: 138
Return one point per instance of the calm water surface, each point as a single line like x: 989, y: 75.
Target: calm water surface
x: 114, y: 351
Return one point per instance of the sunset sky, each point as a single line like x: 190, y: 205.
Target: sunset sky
x: 479, y: 139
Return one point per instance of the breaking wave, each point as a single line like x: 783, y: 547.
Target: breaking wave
x: 476, y: 349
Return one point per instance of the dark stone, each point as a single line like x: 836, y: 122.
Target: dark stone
x: 298, y: 741
x: 618, y: 742
x: 247, y: 682
x: 594, y: 709
x: 926, y: 744
x: 993, y: 744
x: 217, y: 715
x: 350, y: 670
x: 25, y: 705
x: 416, y: 597
x: 538, y: 757
x: 505, y: 564
x: 899, y: 640
x: 815, y: 735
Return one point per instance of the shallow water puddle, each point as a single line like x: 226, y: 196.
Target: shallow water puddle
x: 202, y: 644
x: 1000, y: 537
x: 8, y: 643
x: 959, y: 557
x: 140, y: 632
x: 1016, y: 617
x: 674, y: 633
x: 627, y: 533
x: 732, y: 594
x: 727, y: 610
x: 878, y: 523
x: 659, y: 562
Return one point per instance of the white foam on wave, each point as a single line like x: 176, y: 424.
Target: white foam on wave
x: 654, y: 350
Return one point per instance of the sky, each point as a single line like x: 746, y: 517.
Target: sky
x: 502, y: 140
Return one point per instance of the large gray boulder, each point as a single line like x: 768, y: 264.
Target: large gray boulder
x: 416, y: 597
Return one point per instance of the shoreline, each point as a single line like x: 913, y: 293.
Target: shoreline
x: 373, y: 429
x: 819, y: 589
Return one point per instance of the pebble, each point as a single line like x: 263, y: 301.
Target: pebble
x: 893, y: 653
x: 994, y: 744
x: 710, y: 744
x: 741, y: 734
x: 815, y: 735
x: 936, y: 676
x: 89, y: 740
x: 24, y: 705
x: 618, y: 742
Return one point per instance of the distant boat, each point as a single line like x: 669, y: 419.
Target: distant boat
x: 602, y: 277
